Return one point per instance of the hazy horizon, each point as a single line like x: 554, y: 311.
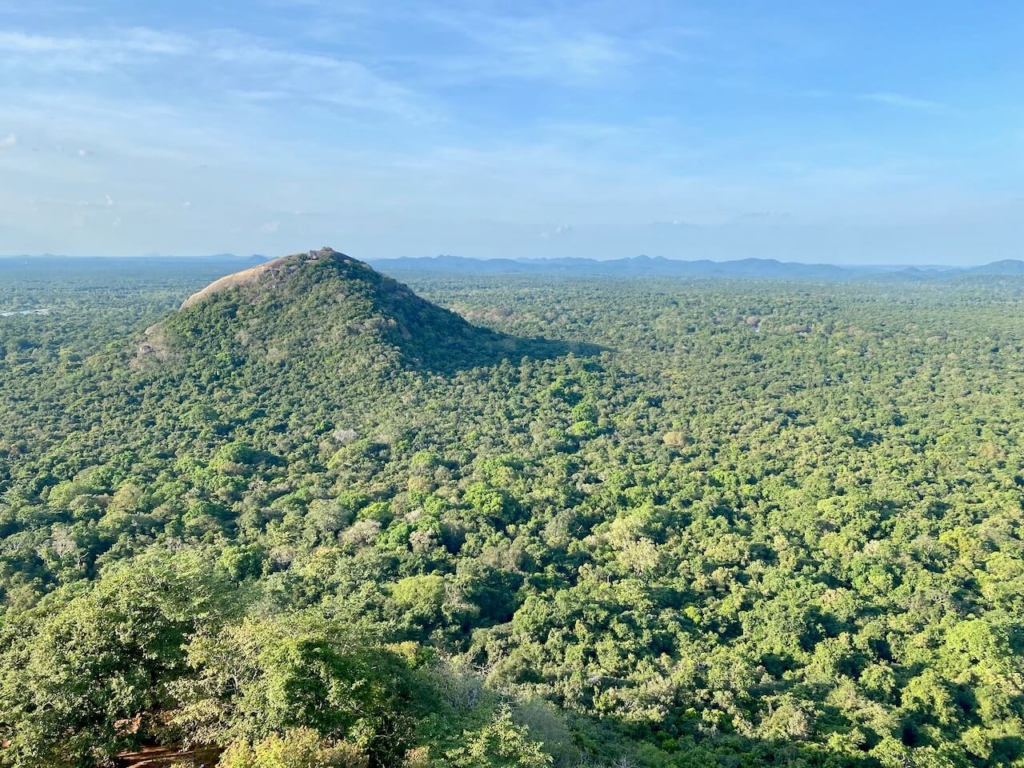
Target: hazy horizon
x: 838, y: 134
x: 525, y: 259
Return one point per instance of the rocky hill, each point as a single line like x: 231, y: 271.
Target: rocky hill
x: 322, y: 310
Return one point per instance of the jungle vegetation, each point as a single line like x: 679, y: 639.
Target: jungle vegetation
x: 569, y: 522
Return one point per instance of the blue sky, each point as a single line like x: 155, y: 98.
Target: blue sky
x: 847, y: 132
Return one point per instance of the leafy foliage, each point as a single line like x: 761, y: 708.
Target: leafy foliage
x: 708, y: 523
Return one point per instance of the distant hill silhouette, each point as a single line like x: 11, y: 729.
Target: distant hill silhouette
x: 657, y: 266
x: 1007, y: 267
x: 637, y: 266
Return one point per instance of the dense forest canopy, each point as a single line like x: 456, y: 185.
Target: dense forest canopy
x: 560, y: 522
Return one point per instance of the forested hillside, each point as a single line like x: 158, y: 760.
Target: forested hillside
x: 318, y: 520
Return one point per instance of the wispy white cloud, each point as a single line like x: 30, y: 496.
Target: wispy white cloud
x: 262, y: 73
x: 722, y: 219
x: 135, y: 40
x: 460, y: 43
x: 98, y: 53
x: 270, y: 227
x: 903, y: 101
x: 106, y: 202
x: 542, y: 47
x: 675, y: 223
x: 230, y: 65
x: 561, y: 229
x: 8, y: 141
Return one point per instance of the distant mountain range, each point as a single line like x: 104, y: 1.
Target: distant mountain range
x: 637, y: 266
x: 657, y: 266
x: 1004, y: 267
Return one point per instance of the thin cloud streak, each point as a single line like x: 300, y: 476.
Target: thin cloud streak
x: 904, y: 102
x: 226, y: 59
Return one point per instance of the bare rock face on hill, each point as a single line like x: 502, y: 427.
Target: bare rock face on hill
x: 321, y: 310
x: 268, y: 273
